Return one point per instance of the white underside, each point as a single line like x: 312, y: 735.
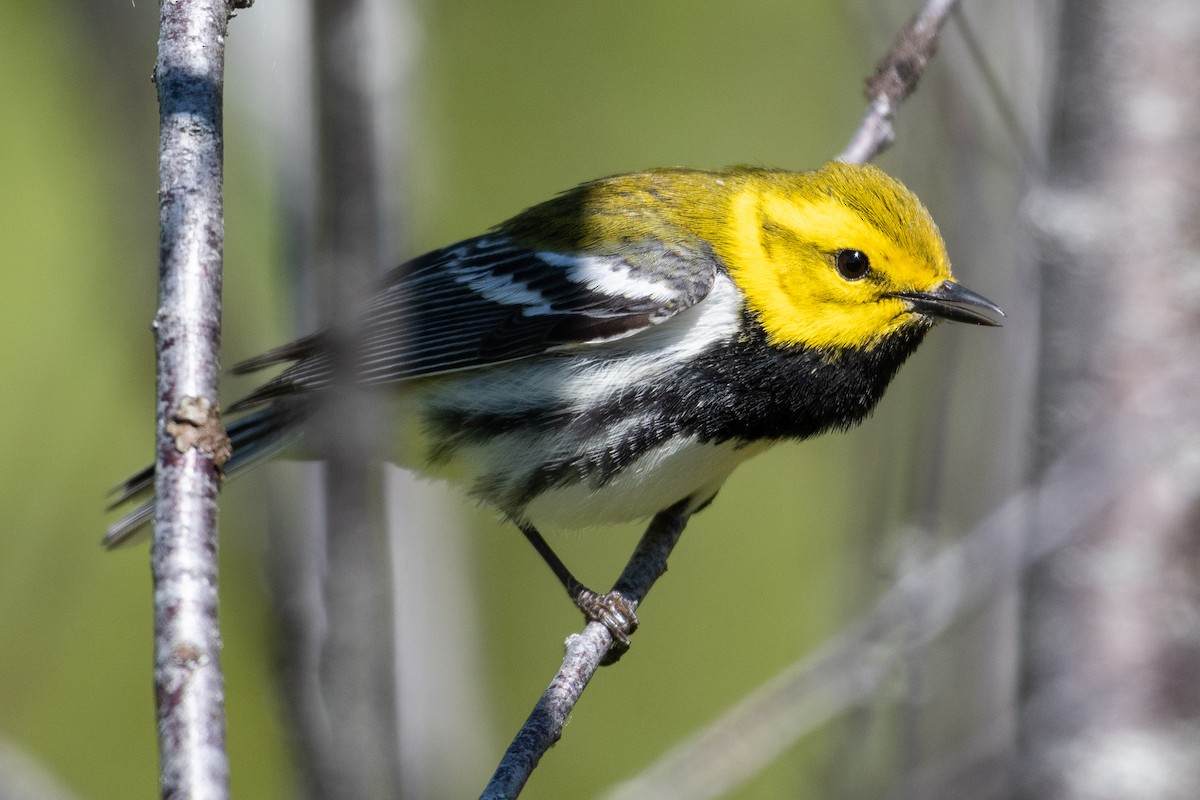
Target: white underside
x: 679, y: 468
x: 498, y: 469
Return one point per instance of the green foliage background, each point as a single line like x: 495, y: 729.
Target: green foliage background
x: 514, y: 101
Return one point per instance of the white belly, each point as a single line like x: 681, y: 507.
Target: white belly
x: 568, y: 468
x: 683, y: 467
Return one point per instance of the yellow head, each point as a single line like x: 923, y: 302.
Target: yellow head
x: 841, y: 257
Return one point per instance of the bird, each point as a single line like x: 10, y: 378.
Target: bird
x: 612, y: 354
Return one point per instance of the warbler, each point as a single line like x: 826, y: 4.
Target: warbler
x: 618, y: 350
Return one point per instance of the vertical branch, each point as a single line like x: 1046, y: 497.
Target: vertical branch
x: 352, y: 743
x: 1112, y: 640
x: 191, y: 445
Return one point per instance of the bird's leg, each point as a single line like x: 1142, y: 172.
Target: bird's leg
x: 610, y: 609
x: 615, y: 610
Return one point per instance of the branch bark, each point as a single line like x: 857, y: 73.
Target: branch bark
x: 343, y: 683
x: 1112, y: 640
x: 191, y: 445
x: 585, y: 652
x: 895, y: 79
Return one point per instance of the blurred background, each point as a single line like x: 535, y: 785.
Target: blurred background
x: 495, y: 106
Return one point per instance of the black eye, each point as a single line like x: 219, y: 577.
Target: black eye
x: 853, y: 264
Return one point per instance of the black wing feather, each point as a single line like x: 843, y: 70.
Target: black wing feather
x: 489, y: 300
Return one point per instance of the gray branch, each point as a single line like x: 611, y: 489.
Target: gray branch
x: 332, y: 586
x: 895, y: 79
x: 191, y: 445
x: 1112, y: 638
x: 585, y: 652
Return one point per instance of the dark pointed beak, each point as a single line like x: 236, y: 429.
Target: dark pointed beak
x: 954, y: 302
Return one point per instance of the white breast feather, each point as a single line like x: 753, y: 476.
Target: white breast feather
x: 673, y: 469
x: 678, y: 468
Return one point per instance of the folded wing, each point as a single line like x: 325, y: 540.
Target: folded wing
x: 489, y: 300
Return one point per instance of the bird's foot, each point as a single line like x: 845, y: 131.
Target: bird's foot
x: 615, y: 613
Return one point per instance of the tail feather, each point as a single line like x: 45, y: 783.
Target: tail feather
x: 255, y: 437
x: 131, y: 487
x: 133, y: 527
x: 293, y: 351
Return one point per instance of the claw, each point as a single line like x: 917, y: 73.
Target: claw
x: 615, y: 613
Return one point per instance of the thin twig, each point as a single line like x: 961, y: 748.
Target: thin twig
x: 895, y: 79
x: 585, y: 651
x: 189, y: 687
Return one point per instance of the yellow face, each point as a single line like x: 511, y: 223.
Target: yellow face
x: 817, y: 264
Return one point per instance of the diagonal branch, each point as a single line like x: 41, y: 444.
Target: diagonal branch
x: 895, y: 79
x: 585, y: 652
